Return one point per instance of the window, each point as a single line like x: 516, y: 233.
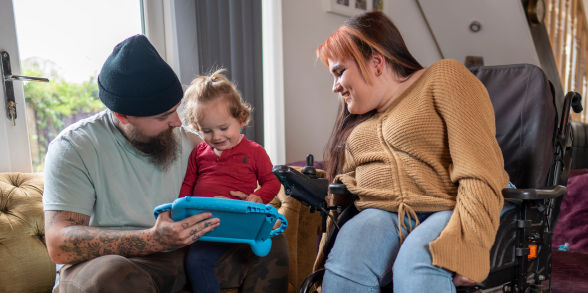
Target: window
x: 67, y: 41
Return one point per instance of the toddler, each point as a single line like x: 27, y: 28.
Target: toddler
x: 226, y: 164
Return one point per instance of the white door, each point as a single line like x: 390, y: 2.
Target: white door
x: 15, y: 154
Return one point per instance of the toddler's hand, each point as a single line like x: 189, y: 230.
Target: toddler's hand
x: 244, y: 196
x: 461, y: 280
x: 239, y: 194
x: 254, y: 198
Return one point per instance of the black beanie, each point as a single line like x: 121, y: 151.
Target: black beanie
x: 136, y: 81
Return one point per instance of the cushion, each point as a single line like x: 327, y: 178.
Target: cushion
x: 572, y: 224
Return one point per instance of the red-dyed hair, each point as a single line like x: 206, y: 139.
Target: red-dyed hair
x: 358, y: 39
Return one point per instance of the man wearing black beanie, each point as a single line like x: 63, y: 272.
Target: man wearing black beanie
x: 106, y: 173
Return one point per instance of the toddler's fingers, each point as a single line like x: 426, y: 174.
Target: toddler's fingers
x: 239, y: 194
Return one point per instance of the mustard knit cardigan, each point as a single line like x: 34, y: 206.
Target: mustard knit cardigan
x: 435, y: 149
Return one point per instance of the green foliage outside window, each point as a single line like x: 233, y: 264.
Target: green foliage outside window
x: 55, y: 105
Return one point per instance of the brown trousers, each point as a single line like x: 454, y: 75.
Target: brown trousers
x: 164, y: 272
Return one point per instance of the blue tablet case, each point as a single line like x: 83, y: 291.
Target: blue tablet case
x: 240, y: 221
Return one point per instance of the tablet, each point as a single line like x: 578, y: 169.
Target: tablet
x: 240, y: 221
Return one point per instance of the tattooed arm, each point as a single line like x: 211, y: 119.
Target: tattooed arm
x: 70, y: 239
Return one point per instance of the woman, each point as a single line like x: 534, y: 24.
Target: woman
x: 417, y: 146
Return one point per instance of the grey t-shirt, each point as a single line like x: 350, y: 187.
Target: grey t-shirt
x: 91, y: 169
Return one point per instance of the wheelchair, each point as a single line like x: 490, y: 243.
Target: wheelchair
x: 536, y: 144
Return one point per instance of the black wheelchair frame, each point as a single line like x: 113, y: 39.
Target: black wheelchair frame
x: 538, y: 164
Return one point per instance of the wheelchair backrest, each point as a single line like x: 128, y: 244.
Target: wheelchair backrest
x: 526, y: 120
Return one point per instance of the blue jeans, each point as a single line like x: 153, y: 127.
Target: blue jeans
x: 200, y: 261
x: 375, y: 257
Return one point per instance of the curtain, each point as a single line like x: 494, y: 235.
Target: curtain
x: 229, y: 36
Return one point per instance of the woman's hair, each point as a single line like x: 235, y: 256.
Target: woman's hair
x: 358, y: 39
x: 206, y: 88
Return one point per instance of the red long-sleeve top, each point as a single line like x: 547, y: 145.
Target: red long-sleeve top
x: 236, y: 169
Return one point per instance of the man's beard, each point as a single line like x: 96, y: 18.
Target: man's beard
x: 162, y: 149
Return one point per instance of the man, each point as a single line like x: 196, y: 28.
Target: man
x: 105, y: 174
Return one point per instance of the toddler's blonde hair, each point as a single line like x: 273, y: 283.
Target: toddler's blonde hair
x: 206, y: 88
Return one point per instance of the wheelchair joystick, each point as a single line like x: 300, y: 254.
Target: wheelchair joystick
x: 307, y: 189
x: 309, y: 169
x: 305, y: 186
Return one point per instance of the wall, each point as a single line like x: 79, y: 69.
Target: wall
x: 310, y: 105
x: 504, y: 36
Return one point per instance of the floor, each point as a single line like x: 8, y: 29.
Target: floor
x: 569, y: 272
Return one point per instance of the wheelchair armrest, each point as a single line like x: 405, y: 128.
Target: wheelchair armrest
x: 339, y: 189
x: 345, y: 197
x: 519, y: 195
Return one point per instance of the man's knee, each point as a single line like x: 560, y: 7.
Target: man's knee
x: 110, y: 273
x: 275, y: 263
x: 270, y: 273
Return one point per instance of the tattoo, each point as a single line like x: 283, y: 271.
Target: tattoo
x: 185, y: 225
x: 207, y: 224
x: 79, y: 242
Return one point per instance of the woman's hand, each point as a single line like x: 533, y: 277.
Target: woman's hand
x: 244, y: 196
x: 462, y: 281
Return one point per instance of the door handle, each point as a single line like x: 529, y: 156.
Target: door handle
x: 8, y: 78
x: 26, y: 78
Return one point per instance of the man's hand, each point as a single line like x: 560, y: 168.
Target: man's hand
x: 462, y: 281
x: 170, y: 234
x: 242, y: 195
x: 70, y: 240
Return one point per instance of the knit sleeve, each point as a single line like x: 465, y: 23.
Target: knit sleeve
x: 348, y: 171
x: 346, y: 177
x: 477, y: 169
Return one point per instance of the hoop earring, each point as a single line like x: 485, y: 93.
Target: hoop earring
x: 378, y: 73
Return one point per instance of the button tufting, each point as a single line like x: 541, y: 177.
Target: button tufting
x: 15, y: 180
x: 22, y: 242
